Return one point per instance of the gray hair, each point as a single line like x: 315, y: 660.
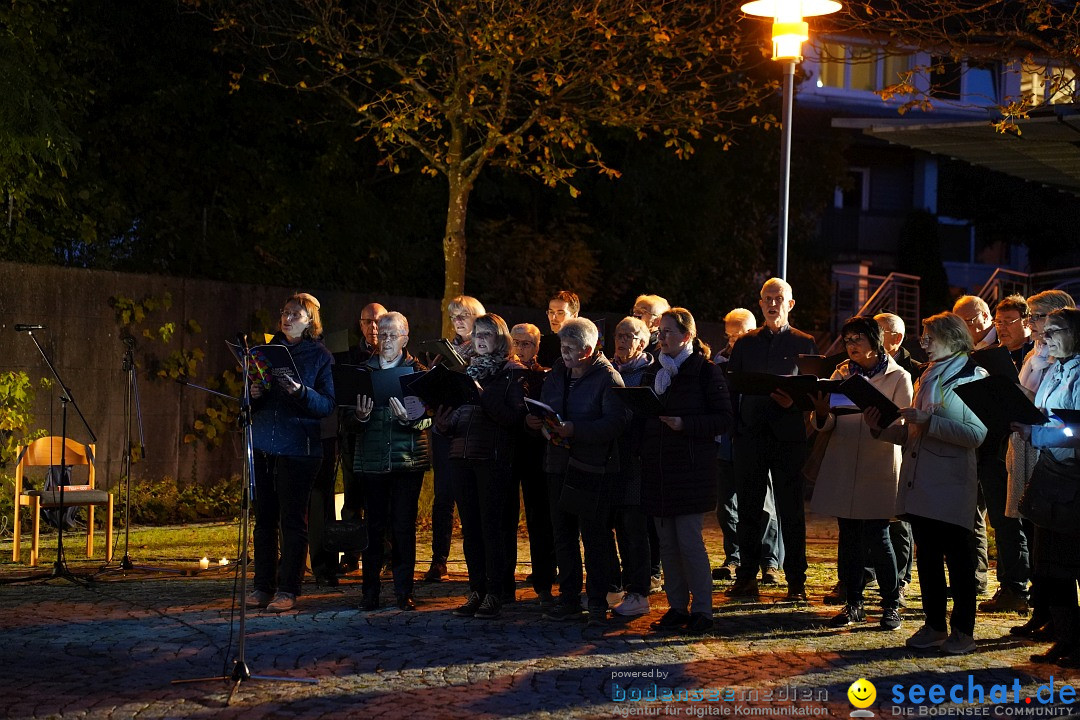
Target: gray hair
x: 778, y: 283
x: 742, y: 315
x: 581, y: 331
x: 400, y: 321
x: 895, y: 323
x: 950, y: 330
x: 1051, y: 300
x: 528, y: 329
x: 641, y: 330
x: 966, y: 301
x: 657, y: 303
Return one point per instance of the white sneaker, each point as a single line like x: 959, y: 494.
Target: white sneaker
x: 959, y: 643
x: 632, y: 605
x: 927, y: 637
x: 614, y: 598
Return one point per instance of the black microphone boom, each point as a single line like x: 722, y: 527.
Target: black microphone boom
x: 22, y: 327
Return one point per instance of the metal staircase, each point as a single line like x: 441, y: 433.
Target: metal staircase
x: 864, y: 294
x: 1009, y: 282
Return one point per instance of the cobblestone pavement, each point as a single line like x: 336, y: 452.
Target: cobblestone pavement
x: 113, y: 648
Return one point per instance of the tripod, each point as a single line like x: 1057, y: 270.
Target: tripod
x: 240, y: 671
x: 59, y: 569
x: 132, y: 411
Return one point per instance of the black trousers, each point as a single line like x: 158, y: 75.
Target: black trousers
x: 282, y: 486
x: 598, y: 540
x: 392, y: 500
x: 937, y: 545
x: 482, y: 492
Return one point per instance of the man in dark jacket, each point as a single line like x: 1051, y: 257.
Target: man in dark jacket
x: 770, y: 439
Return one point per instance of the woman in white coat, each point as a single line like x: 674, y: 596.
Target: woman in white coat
x: 857, y: 480
x: 938, y: 483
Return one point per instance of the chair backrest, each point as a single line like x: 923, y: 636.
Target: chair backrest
x: 48, y: 451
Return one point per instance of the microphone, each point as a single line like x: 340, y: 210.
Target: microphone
x: 22, y: 327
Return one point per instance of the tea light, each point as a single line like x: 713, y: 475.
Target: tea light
x: 223, y: 562
x: 204, y: 563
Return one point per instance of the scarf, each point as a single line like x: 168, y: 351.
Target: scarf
x: 928, y: 390
x: 482, y: 367
x: 857, y: 369
x: 636, y: 363
x: 1035, y: 366
x: 670, y: 368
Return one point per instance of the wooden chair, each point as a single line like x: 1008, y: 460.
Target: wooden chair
x: 46, y: 451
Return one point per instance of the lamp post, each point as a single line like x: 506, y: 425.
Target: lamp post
x: 789, y: 32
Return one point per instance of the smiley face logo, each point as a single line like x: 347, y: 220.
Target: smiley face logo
x: 862, y: 693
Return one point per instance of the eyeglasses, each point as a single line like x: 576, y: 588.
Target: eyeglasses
x: 1035, y: 317
x: 524, y: 343
x: 390, y: 336
x: 854, y: 339
x: 924, y: 341
x: 1051, y: 332
x: 483, y: 334
x: 1002, y: 324
x: 368, y: 321
x: 292, y: 315
x: 972, y: 320
x: 642, y: 313
x: 454, y: 317
x: 626, y: 337
x: 556, y: 313
x: 670, y: 331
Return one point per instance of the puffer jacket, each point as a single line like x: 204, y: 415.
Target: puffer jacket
x: 488, y: 431
x: 287, y: 425
x: 385, y: 445
x: 598, y: 416
x: 679, y: 467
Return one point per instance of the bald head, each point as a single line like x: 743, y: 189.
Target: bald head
x: 369, y: 322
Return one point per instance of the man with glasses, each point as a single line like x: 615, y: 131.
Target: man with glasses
x: 1013, y: 558
x: 648, y: 309
x: 770, y: 441
x: 975, y: 313
x: 563, y: 305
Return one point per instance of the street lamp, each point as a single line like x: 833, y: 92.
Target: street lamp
x: 789, y: 32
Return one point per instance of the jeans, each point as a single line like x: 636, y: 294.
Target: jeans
x: 282, y: 486
x: 442, y: 504
x: 632, y: 536
x: 939, y: 543
x: 597, y: 539
x: 1013, y: 559
x: 392, y: 500
x: 862, y: 539
x: 759, y: 456
x: 481, y: 491
x: 686, y: 563
x: 727, y: 514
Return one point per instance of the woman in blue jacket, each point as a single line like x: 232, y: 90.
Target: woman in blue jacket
x: 288, y: 450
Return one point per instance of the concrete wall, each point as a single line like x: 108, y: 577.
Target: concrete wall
x: 82, y: 338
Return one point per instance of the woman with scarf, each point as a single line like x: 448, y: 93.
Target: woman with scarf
x: 678, y: 464
x: 481, y: 441
x: 1055, y: 561
x: 857, y: 481
x: 938, y: 482
x: 287, y: 441
x: 462, y: 311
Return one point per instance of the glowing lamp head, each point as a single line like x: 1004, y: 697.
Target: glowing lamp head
x: 789, y: 30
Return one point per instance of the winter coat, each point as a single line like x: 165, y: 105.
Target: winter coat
x: 488, y: 431
x: 679, y: 467
x: 859, y: 474
x: 938, y: 478
x: 385, y: 444
x: 598, y: 416
x: 290, y: 425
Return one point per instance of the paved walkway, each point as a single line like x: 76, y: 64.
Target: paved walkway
x: 112, y: 649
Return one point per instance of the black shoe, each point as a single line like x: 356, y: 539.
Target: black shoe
x: 547, y: 601
x: 746, y: 588
x: 797, y: 592
x: 472, y: 604
x: 406, y: 602
x: 850, y: 615
x: 597, y: 618
x: 725, y: 572
x: 890, y: 619
x: 1056, y: 652
x: 489, y: 608
x: 1035, y: 624
x: 436, y: 572
x: 327, y: 580
x: 370, y: 601
x: 699, y: 623
x: 564, y: 611
x: 671, y: 620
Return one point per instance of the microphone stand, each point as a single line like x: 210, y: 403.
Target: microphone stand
x: 240, y: 671
x: 131, y: 399
x: 60, y: 570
